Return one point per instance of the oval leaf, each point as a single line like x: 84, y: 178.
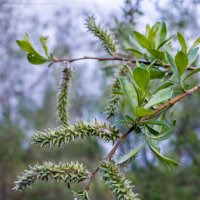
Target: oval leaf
x: 141, y: 76
x: 181, y: 61
x: 142, y: 40
x: 34, y: 59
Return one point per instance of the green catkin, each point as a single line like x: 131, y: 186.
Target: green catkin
x: 62, y: 100
x: 66, y: 134
x: 73, y: 172
x: 113, y: 102
x: 105, y: 37
x: 116, y: 181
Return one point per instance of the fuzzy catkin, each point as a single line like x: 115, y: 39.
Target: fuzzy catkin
x: 66, y: 134
x: 116, y: 181
x: 105, y: 37
x: 73, y: 172
x: 114, y: 99
x: 62, y: 99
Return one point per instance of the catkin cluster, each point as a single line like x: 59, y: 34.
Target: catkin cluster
x: 113, y: 102
x: 68, y: 173
x: 66, y: 134
x: 116, y: 181
x: 105, y: 37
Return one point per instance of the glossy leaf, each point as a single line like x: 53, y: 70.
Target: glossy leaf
x: 27, y: 46
x: 181, y: 61
x: 160, y: 96
x: 141, y: 77
x: 34, y: 59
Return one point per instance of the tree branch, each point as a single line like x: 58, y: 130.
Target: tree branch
x: 156, y: 112
x: 114, y: 58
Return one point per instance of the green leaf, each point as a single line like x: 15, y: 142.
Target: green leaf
x: 164, y: 85
x: 165, y: 42
x: 181, y: 61
x: 158, y: 54
x: 197, y: 42
x: 141, y: 77
x: 129, y: 92
x: 135, y: 52
x: 140, y: 112
x: 152, y: 131
x: 27, y: 47
x: 43, y: 41
x: 148, y: 28
x: 157, y: 34
x: 161, y: 33
x: 156, y: 73
x: 166, y: 161
x: 156, y: 122
x: 160, y: 96
x: 164, y: 135
x: 34, y: 59
x: 182, y: 42
x: 191, y: 73
x: 129, y: 119
x: 129, y: 156
x: 172, y: 64
x: 142, y: 40
x: 192, y: 55
x: 151, y: 36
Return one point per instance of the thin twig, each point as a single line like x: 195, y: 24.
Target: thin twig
x: 116, y: 58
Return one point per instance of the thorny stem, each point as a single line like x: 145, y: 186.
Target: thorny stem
x: 156, y: 112
x: 116, y: 58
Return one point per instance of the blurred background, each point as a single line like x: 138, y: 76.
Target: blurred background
x: 28, y: 94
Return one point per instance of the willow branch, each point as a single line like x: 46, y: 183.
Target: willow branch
x: 156, y: 112
x: 114, y: 58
